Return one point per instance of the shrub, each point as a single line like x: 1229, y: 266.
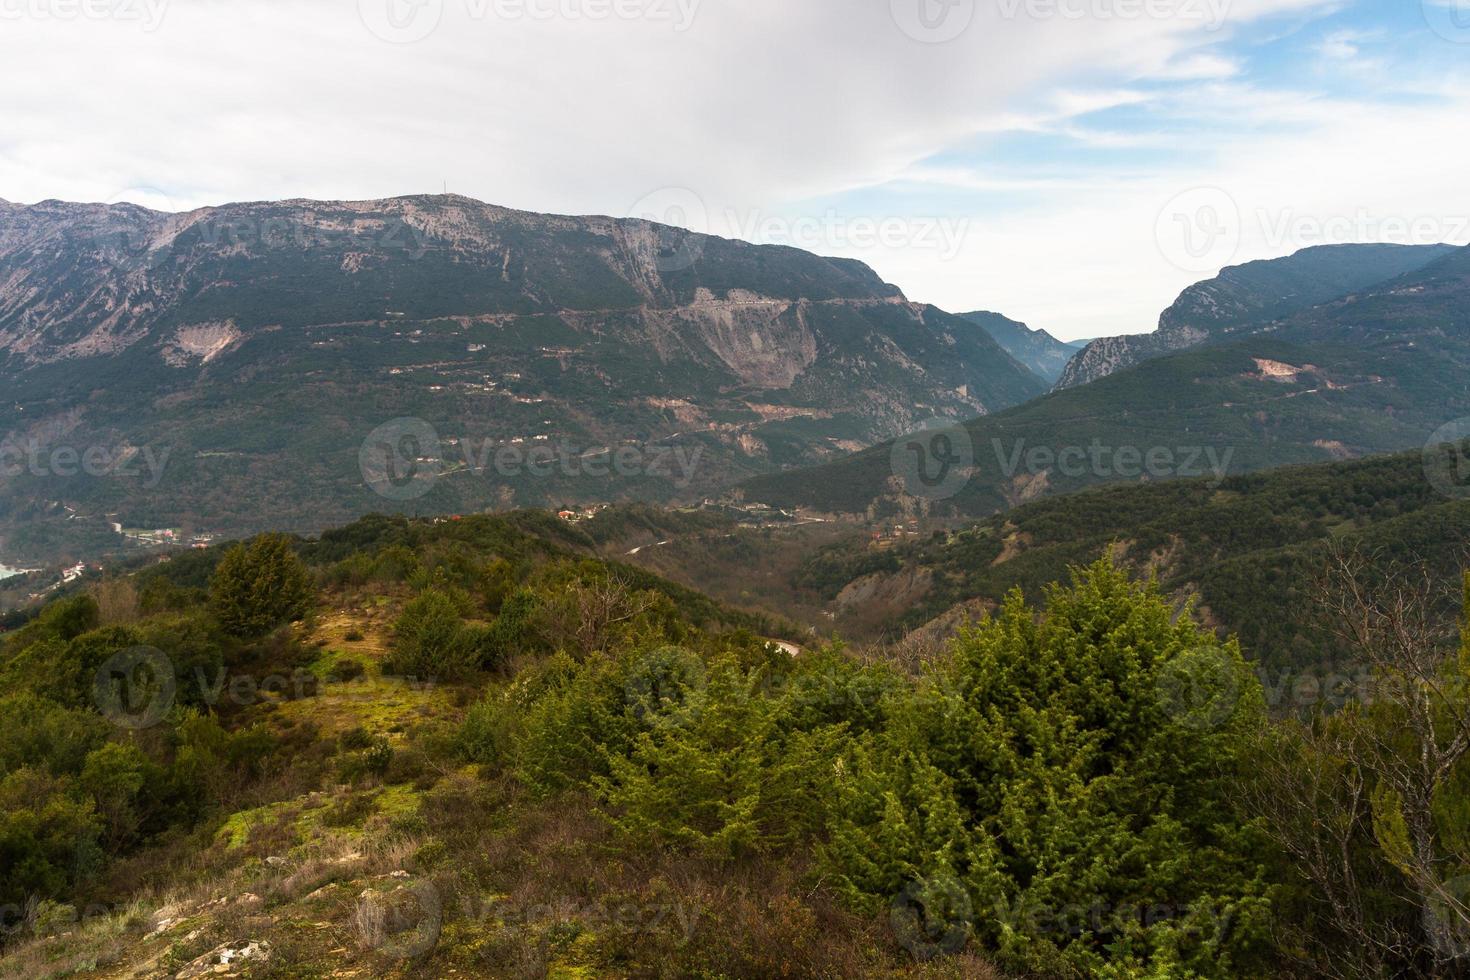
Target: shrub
x: 259, y: 586
x: 430, y: 640
x: 372, y: 762
x: 1045, y: 771
x: 346, y: 669
x: 514, y: 631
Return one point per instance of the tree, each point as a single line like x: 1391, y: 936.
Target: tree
x: 430, y: 639
x: 1372, y: 803
x: 1059, y: 787
x: 259, y: 586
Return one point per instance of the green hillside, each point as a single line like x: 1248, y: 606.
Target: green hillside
x: 466, y: 747
x: 1249, y: 547
x: 1370, y: 373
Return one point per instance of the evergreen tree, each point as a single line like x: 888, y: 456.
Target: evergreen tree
x: 259, y: 586
x: 430, y: 639
x: 1067, y: 777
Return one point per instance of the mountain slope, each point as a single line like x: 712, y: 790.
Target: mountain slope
x: 258, y: 345
x: 1376, y: 372
x: 1046, y: 356
x: 1249, y: 546
x: 1213, y: 310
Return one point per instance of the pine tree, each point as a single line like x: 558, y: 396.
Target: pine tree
x: 259, y: 586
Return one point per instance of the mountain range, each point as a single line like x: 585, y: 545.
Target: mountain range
x: 1046, y: 356
x: 295, y: 364
x: 1373, y: 370
x: 255, y: 347
x: 1248, y: 295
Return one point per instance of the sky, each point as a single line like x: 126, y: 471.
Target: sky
x: 1070, y: 163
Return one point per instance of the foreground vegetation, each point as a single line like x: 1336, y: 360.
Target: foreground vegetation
x: 411, y: 748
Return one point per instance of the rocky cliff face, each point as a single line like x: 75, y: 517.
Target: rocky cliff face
x: 252, y: 333
x: 1247, y: 296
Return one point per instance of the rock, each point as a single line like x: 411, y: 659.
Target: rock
x: 227, y: 959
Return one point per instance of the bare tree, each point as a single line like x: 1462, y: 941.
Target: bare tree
x: 591, y: 611
x: 1357, y: 798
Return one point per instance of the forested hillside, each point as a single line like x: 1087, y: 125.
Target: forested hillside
x: 414, y: 748
x: 1374, y: 372
x: 227, y: 368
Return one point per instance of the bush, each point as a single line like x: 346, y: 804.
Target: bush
x: 514, y: 631
x: 1046, y: 770
x: 430, y: 640
x: 346, y: 669
x: 372, y: 762
x: 259, y: 586
x: 489, y: 733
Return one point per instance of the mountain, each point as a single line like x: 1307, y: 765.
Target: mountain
x: 1046, y: 356
x: 1373, y: 372
x: 250, y: 350
x: 1243, y: 295
x: 1249, y: 547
